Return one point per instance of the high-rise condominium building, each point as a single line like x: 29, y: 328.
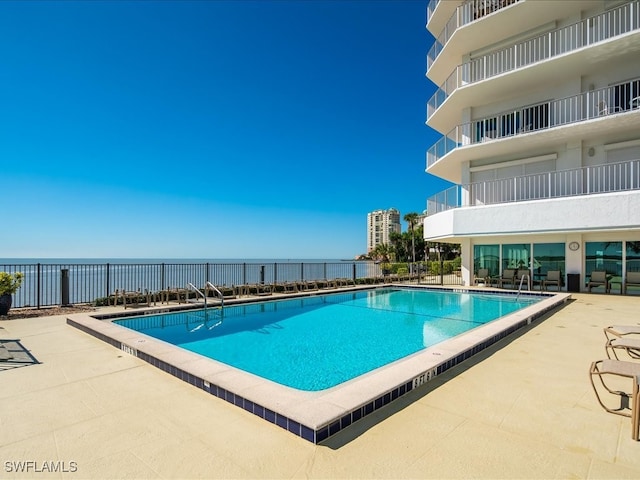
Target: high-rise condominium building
x: 538, y: 107
x: 380, y: 224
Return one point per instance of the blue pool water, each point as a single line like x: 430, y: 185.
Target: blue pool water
x: 317, y: 342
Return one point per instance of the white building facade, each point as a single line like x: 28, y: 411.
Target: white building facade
x: 538, y: 104
x: 380, y: 225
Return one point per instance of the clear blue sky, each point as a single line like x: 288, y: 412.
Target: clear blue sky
x: 209, y: 129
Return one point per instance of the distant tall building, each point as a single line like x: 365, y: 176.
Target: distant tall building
x: 380, y: 225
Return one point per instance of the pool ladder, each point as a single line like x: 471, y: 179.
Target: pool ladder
x: 202, y: 322
x: 208, y: 285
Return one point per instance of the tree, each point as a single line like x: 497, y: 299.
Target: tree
x: 412, y: 218
x: 398, y: 241
x: 383, y: 252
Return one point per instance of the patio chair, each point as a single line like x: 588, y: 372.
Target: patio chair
x: 631, y: 280
x: 628, y: 400
x: 508, y: 276
x: 553, y: 278
x: 631, y: 346
x: 604, y: 109
x: 621, y: 330
x: 598, y: 278
x: 520, y: 274
x: 482, y: 276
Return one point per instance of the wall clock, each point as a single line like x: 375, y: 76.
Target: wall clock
x: 574, y: 246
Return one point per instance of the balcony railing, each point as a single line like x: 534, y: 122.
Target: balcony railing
x: 611, y: 177
x: 466, y: 13
x: 431, y: 7
x: 605, y: 26
x: 617, y: 98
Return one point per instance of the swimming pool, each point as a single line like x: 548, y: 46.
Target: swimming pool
x: 315, y: 343
x: 316, y: 415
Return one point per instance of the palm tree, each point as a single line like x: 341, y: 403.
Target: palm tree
x: 382, y: 252
x: 412, y: 218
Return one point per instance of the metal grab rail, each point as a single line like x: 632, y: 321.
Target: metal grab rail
x: 526, y: 275
x: 197, y: 290
x: 217, y: 291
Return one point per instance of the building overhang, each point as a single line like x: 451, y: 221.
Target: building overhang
x: 619, y: 211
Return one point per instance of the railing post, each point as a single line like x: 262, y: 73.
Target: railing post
x: 354, y: 273
x: 106, y: 283
x: 38, y: 286
x: 64, y: 286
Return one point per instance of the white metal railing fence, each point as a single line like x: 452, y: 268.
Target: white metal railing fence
x: 616, y: 98
x: 466, y: 13
x: 607, y: 178
x: 605, y: 26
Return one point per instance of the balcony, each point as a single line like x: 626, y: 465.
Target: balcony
x: 565, y: 45
x: 586, y: 199
x: 466, y: 13
x: 461, y: 143
x: 477, y: 25
x: 608, y: 178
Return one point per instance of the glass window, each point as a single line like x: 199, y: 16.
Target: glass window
x: 633, y: 256
x: 516, y: 255
x: 605, y: 256
x: 548, y: 256
x: 487, y: 256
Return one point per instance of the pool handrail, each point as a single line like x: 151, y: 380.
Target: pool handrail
x: 197, y: 290
x: 217, y: 291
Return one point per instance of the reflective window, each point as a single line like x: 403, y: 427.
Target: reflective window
x: 548, y: 256
x: 633, y: 256
x: 487, y: 256
x: 605, y: 256
x: 516, y: 255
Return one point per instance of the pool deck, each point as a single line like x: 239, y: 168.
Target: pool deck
x: 523, y: 408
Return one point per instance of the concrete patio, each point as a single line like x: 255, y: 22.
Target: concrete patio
x: 523, y: 408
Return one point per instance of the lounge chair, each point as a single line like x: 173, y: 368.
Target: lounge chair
x: 598, y: 279
x: 621, y: 330
x: 482, y: 276
x: 629, y: 406
x: 631, y: 280
x: 553, y: 278
x: 631, y: 347
x: 508, y: 276
x: 290, y: 287
x: 134, y: 298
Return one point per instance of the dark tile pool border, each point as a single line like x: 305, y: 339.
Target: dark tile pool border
x: 312, y: 434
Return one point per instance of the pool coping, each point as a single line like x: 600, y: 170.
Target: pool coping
x: 315, y: 416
